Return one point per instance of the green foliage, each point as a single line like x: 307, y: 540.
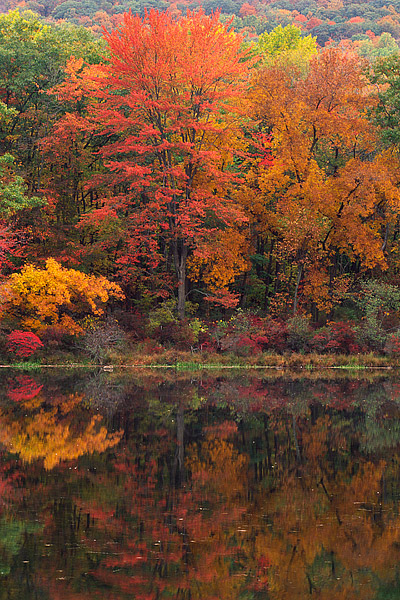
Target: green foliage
x: 168, y: 329
x: 32, y: 52
x: 7, y: 115
x: 140, y: 6
x: 33, y: 56
x: 377, y: 299
x: 387, y: 112
x: 377, y: 302
x: 371, y: 335
x: 287, y: 44
x: 283, y: 40
x: 13, y: 190
x: 22, y: 53
x: 197, y: 327
x: 386, y: 46
x: 166, y: 312
x: 163, y: 314
x: 299, y: 333
x: 71, y: 9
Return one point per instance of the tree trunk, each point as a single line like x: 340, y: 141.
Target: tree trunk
x: 296, y: 293
x: 180, y: 428
x: 269, y: 277
x: 243, y: 290
x: 180, y: 266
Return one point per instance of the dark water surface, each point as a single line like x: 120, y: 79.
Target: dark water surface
x: 116, y: 487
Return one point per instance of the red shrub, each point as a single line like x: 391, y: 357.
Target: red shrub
x: 337, y: 338
x: 261, y: 340
x: 276, y: 332
x: 247, y: 345
x: 343, y: 338
x: 206, y: 342
x: 23, y: 343
x: 150, y: 346
x: 319, y: 341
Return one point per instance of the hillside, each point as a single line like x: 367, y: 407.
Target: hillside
x: 334, y: 20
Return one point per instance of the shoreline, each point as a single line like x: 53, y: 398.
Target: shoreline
x: 183, y: 361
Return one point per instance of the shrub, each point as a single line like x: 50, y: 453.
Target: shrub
x: 98, y: 341
x: 55, y: 296
x: 342, y: 338
x: 277, y: 333
x: 338, y: 338
x: 244, y: 322
x: 162, y: 314
x: 246, y: 346
x: 134, y: 323
x: 299, y: 334
x: 176, y: 333
x: 148, y: 346
x: 392, y: 345
x: 319, y: 340
x: 379, y: 302
x: 217, y: 332
x: 243, y: 333
x: 206, y: 342
x: 197, y: 327
x: 23, y: 343
x: 371, y: 335
x: 56, y: 337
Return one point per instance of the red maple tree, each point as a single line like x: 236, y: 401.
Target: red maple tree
x: 167, y: 114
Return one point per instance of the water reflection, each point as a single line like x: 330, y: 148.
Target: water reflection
x: 215, y: 488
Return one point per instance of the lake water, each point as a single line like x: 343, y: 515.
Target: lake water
x: 116, y: 487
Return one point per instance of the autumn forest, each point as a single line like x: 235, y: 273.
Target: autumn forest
x: 184, y: 177
x: 189, y: 190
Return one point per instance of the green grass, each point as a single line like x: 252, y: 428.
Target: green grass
x: 25, y: 366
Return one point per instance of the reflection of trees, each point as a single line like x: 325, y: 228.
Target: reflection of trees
x: 173, y: 541
x: 286, y: 505
x: 54, y: 433
x: 14, y: 530
x: 104, y: 393
x: 331, y: 530
x: 248, y: 497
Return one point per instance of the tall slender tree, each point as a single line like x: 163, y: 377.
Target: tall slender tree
x: 168, y: 108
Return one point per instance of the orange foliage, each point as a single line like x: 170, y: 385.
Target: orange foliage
x: 44, y: 435
x: 42, y: 297
x: 219, y: 264
x: 319, y: 196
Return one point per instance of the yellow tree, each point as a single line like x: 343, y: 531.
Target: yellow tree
x: 286, y: 46
x: 55, y: 295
